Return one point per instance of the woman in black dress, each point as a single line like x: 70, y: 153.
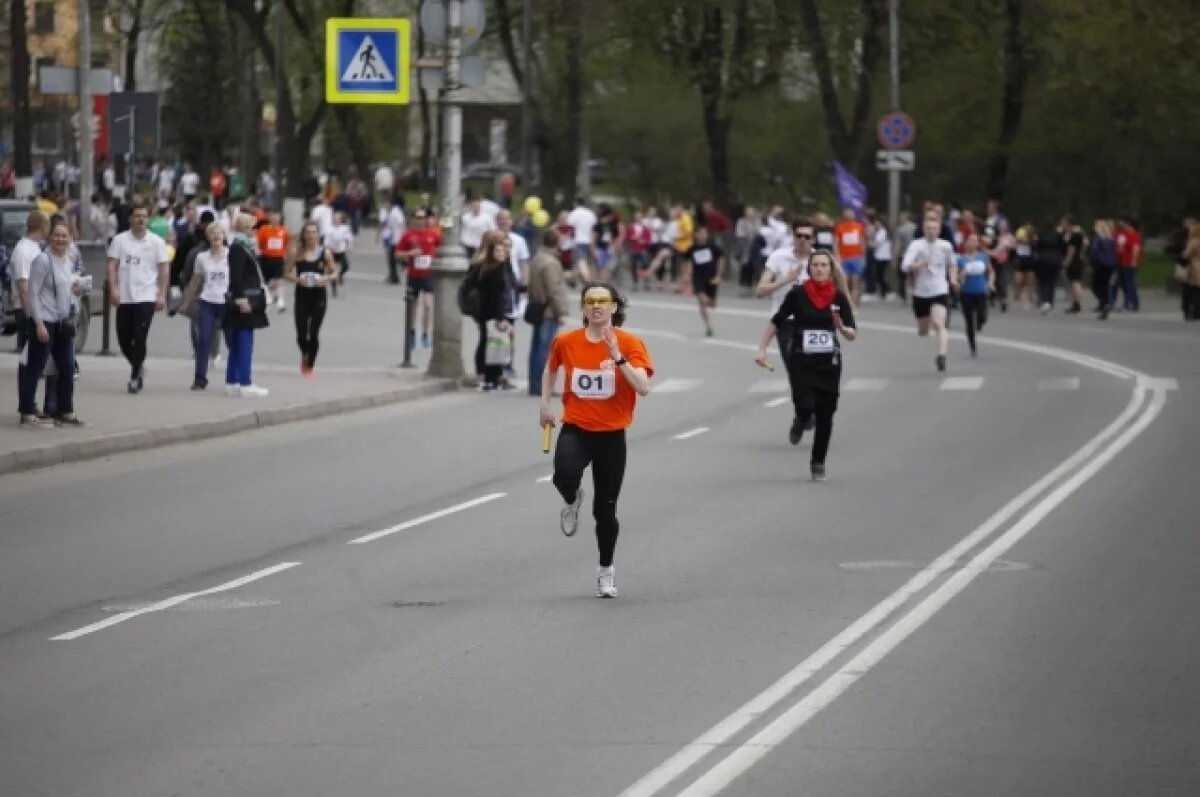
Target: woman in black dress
x: 820, y: 312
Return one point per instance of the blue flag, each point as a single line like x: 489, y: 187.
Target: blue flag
x: 851, y: 192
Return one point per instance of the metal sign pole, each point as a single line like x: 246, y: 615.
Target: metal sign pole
x: 894, y: 176
x: 86, y: 178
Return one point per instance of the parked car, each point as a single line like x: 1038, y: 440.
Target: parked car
x: 13, y: 214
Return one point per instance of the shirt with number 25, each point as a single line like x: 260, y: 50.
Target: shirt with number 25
x: 596, y: 396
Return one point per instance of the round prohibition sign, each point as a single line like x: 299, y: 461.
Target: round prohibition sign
x: 896, y: 130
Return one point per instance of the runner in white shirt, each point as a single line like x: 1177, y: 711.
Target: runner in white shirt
x: 475, y: 222
x: 931, y: 260
x: 583, y: 223
x: 340, y: 240
x: 189, y: 183
x: 391, y: 230
x: 322, y: 214
x: 138, y: 274
x: 166, y: 182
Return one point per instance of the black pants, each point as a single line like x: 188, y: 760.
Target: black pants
x: 974, y: 310
x: 1047, y: 279
x: 1191, y: 302
x: 785, y: 335
x: 309, y: 312
x: 605, y: 452
x: 133, y: 327
x: 809, y: 401
x: 491, y: 374
x: 62, y: 349
x: 881, y: 268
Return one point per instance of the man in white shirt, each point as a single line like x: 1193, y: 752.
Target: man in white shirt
x: 166, y: 182
x: 138, y: 274
x: 785, y: 269
x: 583, y: 222
x: 391, y: 229
x: 475, y: 222
x: 518, y: 259
x: 37, y: 225
x: 189, y: 183
x: 322, y: 216
x: 931, y: 262
x: 385, y: 185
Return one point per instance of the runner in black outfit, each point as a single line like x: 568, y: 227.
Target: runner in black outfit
x: 819, y: 311
x: 311, y: 267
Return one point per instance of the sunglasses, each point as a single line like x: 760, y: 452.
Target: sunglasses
x: 594, y: 302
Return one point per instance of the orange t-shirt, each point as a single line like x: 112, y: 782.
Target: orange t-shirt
x: 597, y: 397
x: 273, y: 241
x: 851, y: 239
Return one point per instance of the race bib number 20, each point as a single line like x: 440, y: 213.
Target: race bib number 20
x: 818, y: 341
x: 589, y: 384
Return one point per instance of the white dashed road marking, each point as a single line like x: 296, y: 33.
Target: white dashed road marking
x: 699, y: 430
x: 1059, y: 383
x: 441, y: 513
x: 962, y: 383
x: 864, y: 385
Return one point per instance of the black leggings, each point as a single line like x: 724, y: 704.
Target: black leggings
x: 974, y: 309
x: 491, y: 374
x: 310, y: 312
x: 605, y: 451
x: 808, y: 402
x: 1102, y: 284
x: 133, y: 327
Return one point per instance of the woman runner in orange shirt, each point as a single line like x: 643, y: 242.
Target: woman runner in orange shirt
x: 606, y: 370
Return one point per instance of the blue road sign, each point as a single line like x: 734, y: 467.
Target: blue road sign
x: 366, y: 61
x: 896, y: 130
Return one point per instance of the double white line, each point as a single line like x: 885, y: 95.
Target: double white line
x: 1145, y: 405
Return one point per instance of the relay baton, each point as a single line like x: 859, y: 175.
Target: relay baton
x: 764, y: 364
x: 547, y: 433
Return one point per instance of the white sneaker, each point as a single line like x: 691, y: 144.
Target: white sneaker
x: 606, y: 586
x: 233, y: 390
x: 254, y: 391
x: 216, y: 360
x: 568, y: 519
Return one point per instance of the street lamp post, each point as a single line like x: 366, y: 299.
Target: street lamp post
x: 451, y: 263
x: 86, y: 177
x: 894, y: 176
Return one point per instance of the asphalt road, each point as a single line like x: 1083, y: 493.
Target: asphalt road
x: 992, y: 594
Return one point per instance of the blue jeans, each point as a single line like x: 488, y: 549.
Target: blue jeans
x: 240, y: 343
x: 62, y: 349
x: 209, y: 318
x: 539, y: 351
x: 1129, y: 287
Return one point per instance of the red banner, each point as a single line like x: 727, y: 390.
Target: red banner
x: 100, y: 120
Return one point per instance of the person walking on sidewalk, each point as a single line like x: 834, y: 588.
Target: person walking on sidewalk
x: 547, y: 306
x: 606, y: 370
x: 51, y: 310
x: 311, y: 267
x: 204, y: 299
x: 248, y: 297
x: 273, y: 244
x: 138, y: 274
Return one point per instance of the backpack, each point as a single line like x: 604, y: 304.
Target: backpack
x: 470, y: 299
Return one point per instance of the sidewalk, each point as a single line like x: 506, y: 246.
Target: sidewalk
x: 168, y: 412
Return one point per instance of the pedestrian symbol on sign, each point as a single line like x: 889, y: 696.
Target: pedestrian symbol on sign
x: 367, y: 66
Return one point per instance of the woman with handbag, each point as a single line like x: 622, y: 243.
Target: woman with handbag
x: 51, y: 319
x: 493, y: 278
x: 247, y: 310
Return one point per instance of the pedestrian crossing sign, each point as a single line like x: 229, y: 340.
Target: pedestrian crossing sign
x: 366, y: 61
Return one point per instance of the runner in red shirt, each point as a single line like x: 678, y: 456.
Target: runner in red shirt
x: 416, y: 250
x: 638, y: 239
x: 1129, y: 260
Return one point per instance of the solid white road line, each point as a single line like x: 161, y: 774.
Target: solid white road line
x: 769, y: 386
x: 864, y: 385
x: 962, y: 383
x: 699, y: 430
x: 1059, y: 383
x: 746, y: 755
x: 441, y: 513
x: 777, y: 402
x: 169, y: 602
x: 545, y: 479
x: 677, y: 385
x: 720, y: 734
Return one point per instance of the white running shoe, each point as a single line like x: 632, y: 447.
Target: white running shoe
x: 233, y: 390
x: 216, y: 360
x: 254, y: 391
x: 606, y: 584
x: 568, y: 519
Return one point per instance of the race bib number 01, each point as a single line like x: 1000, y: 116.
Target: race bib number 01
x: 588, y: 384
x: 818, y: 341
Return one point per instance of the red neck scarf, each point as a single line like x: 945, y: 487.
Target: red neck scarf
x: 821, y: 294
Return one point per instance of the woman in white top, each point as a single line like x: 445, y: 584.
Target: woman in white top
x: 391, y: 230
x: 881, y: 245
x: 50, y: 315
x: 208, y: 288
x: 340, y: 241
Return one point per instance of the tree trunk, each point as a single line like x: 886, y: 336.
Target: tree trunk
x: 568, y: 165
x: 426, y: 141
x: 131, y: 46
x: 22, y: 154
x: 717, y: 118
x: 1016, y: 78
x: 835, y: 128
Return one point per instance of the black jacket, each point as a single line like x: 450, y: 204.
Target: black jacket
x: 494, y: 293
x: 245, y: 279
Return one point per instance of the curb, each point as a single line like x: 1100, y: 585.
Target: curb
x: 143, y: 439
